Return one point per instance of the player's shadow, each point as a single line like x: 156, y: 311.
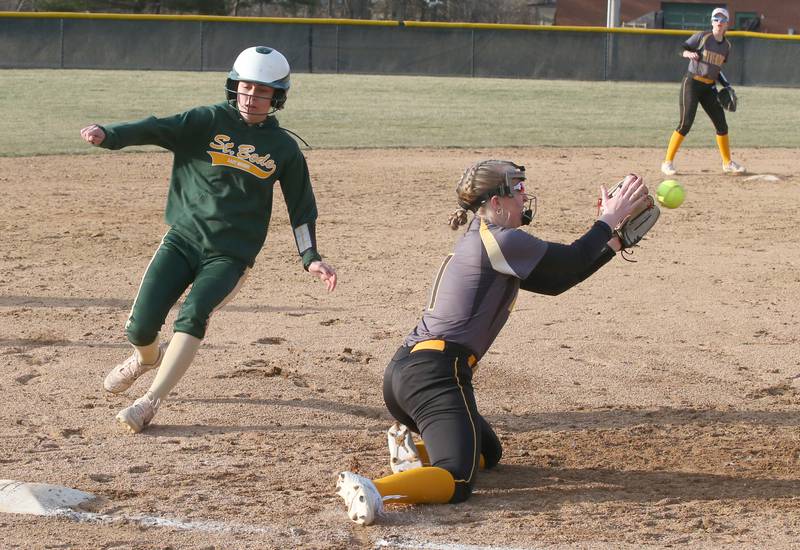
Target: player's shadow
x: 325, y: 405
x: 531, y: 488
x: 196, y: 430
x: 125, y: 305
x: 520, y: 489
x: 371, y: 418
x: 627, y: 418
x: 44, y: 341
x: 377, y: 417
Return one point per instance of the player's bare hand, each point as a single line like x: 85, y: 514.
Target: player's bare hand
x: 325, y: 272
x: 694, y: 56
x: 93, y: 134
x: 628, y: 198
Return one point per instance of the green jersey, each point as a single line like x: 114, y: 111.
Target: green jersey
x: 224, y: 170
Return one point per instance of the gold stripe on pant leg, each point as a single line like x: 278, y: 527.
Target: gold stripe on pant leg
x: 471, y: 421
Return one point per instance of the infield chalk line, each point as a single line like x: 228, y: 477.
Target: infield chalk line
x: 415, y: 544
x: 154, y: 521
x: 42, y: 499
x: 220, y: 527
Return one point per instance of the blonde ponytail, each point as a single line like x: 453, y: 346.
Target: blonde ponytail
x: 457, y: 219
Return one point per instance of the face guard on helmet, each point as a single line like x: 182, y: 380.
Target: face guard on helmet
x: 261, y: 65
x: 513, y: 184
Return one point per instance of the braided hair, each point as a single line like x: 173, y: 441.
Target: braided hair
x: 477, y: 184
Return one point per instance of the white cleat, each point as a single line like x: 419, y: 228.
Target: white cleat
x: 364, y: 502
x: 136, y: 417
x: 125, y: 374
x: 733, y: 168
x: 402, y: 451
x: 668, y: 169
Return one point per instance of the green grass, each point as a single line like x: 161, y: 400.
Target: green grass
x: 44, y: 109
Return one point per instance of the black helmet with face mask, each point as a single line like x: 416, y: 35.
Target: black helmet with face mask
x: 512, y: 184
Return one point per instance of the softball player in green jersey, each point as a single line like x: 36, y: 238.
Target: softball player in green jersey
x: 427, y: 386
x: 706, y: 52
x: 227, y: 158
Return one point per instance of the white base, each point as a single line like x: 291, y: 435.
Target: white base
x: 763, y: 177
x: 41, y: 499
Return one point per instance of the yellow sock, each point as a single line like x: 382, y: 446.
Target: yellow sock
x: 674, y: 143
x: 426, y: 461
x: 426, y: 485
x: 724, y: 148
x: 179, y: 355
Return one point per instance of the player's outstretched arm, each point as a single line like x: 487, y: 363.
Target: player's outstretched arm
x: 93, y: 134
x: 325, y: 272
x: 564, y: 266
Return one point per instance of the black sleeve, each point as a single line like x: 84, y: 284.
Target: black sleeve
x: 564, y: 266
x: 723, y: 80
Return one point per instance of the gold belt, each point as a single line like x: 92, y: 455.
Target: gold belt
x: 702, y: 79
x: 441, y: 345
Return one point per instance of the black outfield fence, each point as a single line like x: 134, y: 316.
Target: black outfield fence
x: 206, y: 43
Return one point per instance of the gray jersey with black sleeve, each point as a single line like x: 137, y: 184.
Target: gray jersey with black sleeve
x: 477, y: 285
x: 712, y: 54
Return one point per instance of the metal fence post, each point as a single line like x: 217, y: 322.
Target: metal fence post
x: 61, y: 45
x: 202, y: 45
x: 472, y: 54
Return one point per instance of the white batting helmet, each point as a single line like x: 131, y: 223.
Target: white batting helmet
x: 262, y: 65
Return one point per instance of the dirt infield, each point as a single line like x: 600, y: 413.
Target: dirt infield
x: 657, y: 404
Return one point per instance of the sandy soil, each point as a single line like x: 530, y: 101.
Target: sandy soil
x: 657, y: 404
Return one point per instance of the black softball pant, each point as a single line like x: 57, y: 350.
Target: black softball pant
x: 694, y: 92
x: 431, y: 393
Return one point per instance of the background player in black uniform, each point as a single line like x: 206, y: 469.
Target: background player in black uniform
x: 706, y: 52
x: 227, y: 158
x: 428, y: 384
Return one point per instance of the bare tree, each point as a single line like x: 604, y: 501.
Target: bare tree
x: 475, y: 11
x: 358, y: 9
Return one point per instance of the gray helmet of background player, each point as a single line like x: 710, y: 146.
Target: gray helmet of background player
x: 261, y: 65
x: 484, y: 180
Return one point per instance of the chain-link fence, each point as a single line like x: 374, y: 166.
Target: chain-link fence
x: 86, y: 41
